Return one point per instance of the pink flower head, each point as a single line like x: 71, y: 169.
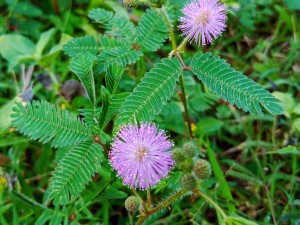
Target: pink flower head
x: 141, y: 155
x: 203, y: 20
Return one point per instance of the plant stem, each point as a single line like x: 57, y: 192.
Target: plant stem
x: 148, y: 199
x: 176, y: 52
x: 169, y: 25
x: 216, y: 206
x: 162, y: 205
x: 271, y: 205
x: 182, y: 44
x: 186, y: 111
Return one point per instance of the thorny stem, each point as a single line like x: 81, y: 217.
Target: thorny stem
x: 176, y: 52
x: 216, y: 206
x: 162, y: 205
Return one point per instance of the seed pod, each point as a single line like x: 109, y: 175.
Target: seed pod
x: 202, y: 169
x: 188, y: 182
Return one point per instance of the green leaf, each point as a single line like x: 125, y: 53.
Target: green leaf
x: 90, y: 116
x: 113, y: 108
x: 286, y: 151
x: 223, y: 186
x: 208, y: 126
x: 5, y: 112
x: 115, y: 25
x: 111, y: 193
x: 74, y: 171
x: 119, y: 56
x: 81, y: 44
x: 237, y: 220
x: 101, y: 16
x: 46, y: 122
x: 202, y: 102
x: 152, y: 93
x: 105, y: 104
x: 233, y: 86
x: 288, y: 102
x: 82, y: 65
x: 43, y: 41
x: 16, y: 48
x: 29, y: 201
x: 292, y: 4
x: 113, y: 76
x: 121, y: 27
x: 108, y: 43
x: 151, y: 23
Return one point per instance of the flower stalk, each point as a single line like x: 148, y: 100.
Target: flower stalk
x: 162, y: 205
x: 176, y: 52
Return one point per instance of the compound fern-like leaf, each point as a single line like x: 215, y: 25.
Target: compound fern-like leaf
x: 108, y: 43
x: 115, y: 25
x: 151, y: 23
x: 82, y: 65
x: 202, y: 102
x: 119, y: 56
x: 74, y: 171
x: 81, y: 44
x: 46, y: 122
x: 113, y: 108
x: 233, y: 86
x: 113, y: 76
x: 152, y: 93
x: 101, y: 16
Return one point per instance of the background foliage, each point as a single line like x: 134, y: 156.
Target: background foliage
x: 255, y: 158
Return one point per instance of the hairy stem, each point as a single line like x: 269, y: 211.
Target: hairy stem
x: 170, y: 29
x: 162, y: 205
x: 182, y: 44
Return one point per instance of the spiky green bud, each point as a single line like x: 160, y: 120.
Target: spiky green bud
x: 132, y: 204
x: 186, y: 165
x: 131, y: 3
x: 190, y: 148
x: 135, y: 3
x: 178, y: 155
x: 188, y: 182
x: 202, y: 169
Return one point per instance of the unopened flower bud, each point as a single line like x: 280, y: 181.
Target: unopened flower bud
x: 188, y: 182
x: 178, y: 155
x: 202, y: 169
x: 186, y: 165
x: 132, y: 204
x: 190, y: 148
x: 135, y: 3
x: 131, y: 3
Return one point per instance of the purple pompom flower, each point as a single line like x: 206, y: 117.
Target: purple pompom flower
x: 141, y: 155
x: 203, y: 20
